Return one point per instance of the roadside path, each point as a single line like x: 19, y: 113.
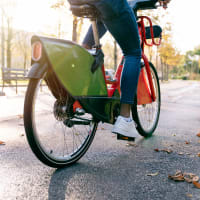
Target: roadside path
x: 11, y: 105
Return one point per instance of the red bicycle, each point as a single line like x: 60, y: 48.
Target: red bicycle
x: 71, y: 75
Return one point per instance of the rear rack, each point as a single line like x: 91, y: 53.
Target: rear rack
x: 150, y: 32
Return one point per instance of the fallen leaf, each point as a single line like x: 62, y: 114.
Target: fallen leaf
x: 131, y: 144
x: 195, y: 179
x: 198, y: 134
x: 157, y: 150
x: 2, y: 143
x: 186, y: 142
x: 102, y: 128
x: 196, y: 184
x: 178, y: 176
x: 198, y: 154
x: 22, y: 135
x: 174, y: 134
x: 190, y: 177
x: 189, y: 195
x: 153, y: 174
x: 167, y: 150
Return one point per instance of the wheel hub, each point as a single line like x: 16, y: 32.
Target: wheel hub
x: 61, y: 110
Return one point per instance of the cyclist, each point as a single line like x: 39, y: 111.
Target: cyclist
x: 118, y: 18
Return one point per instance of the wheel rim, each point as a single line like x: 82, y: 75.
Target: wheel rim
x: 54, y: 139
x: 148, y: 114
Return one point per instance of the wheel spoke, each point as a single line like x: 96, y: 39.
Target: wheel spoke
x: 53, y: 142
x: 146, y: 116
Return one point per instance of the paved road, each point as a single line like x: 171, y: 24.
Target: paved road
x: 111, y: 169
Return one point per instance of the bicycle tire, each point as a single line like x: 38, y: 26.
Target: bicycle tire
x: 146, y: 125
x: 44, y: 145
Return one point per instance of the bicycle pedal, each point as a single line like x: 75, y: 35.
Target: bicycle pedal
x: 122, y: 137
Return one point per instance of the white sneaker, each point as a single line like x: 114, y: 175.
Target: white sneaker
x: 125, y: 128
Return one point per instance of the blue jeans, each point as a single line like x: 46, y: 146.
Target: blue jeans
x: 118, y: 18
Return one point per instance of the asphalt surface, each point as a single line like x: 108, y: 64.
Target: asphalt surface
x: 111, y: 169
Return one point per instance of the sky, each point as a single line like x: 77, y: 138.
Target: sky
x: 184, y: 16
x: 37, y: 16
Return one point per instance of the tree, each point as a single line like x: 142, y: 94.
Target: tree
x: 170, y: 56
x: 60, y: 4
x: 77, y: 22
x: 22, y: 42
x: 115, y: 55
x: 192, y: 62
x: 7, y: 30
x: 2, y: 39
x: 197, y: 53
x: 10, y: 36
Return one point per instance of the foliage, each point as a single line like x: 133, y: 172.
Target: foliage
x: 169, y: 54
x: 59, y: 4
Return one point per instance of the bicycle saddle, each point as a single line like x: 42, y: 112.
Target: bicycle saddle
x: 82, y: 8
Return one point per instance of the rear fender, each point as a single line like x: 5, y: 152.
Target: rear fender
x: 72, y: 65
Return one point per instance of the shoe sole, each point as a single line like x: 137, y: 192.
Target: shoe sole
x: 125, y: 134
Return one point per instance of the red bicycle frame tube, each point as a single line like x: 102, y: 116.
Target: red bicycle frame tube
x: 146, y: 62
x: 116, y: 84
x: 146, y: 92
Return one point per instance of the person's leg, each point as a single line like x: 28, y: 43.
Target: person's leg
x: 88, y: 41
x: 124, y: 30
x: 123, y: 26
x: 119, y: 19
x: 121, y: 23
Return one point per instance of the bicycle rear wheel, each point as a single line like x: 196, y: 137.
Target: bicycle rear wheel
x: 56, y: 138
x: 146, y: 116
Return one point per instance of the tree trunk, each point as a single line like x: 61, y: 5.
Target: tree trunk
x: 157, y: 67
x: 115, y: 55
x: 25, y: 60
x: 59, y: 29
x: 162, y: 70
x: 2, y: 44
x: 74, y: 34
x: 79, y: 26
x: 10, y: 35
x: 150, y: 53
x: 166, y: 72
x: 167, y: 75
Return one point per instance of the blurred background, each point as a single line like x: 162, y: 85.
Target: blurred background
x: 177, y: 58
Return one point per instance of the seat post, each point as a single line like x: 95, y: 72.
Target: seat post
x: 95, y: 32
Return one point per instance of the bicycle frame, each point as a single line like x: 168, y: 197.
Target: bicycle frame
x: 72, y: 66
x: 145, y: 94
x: 145, y: 91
